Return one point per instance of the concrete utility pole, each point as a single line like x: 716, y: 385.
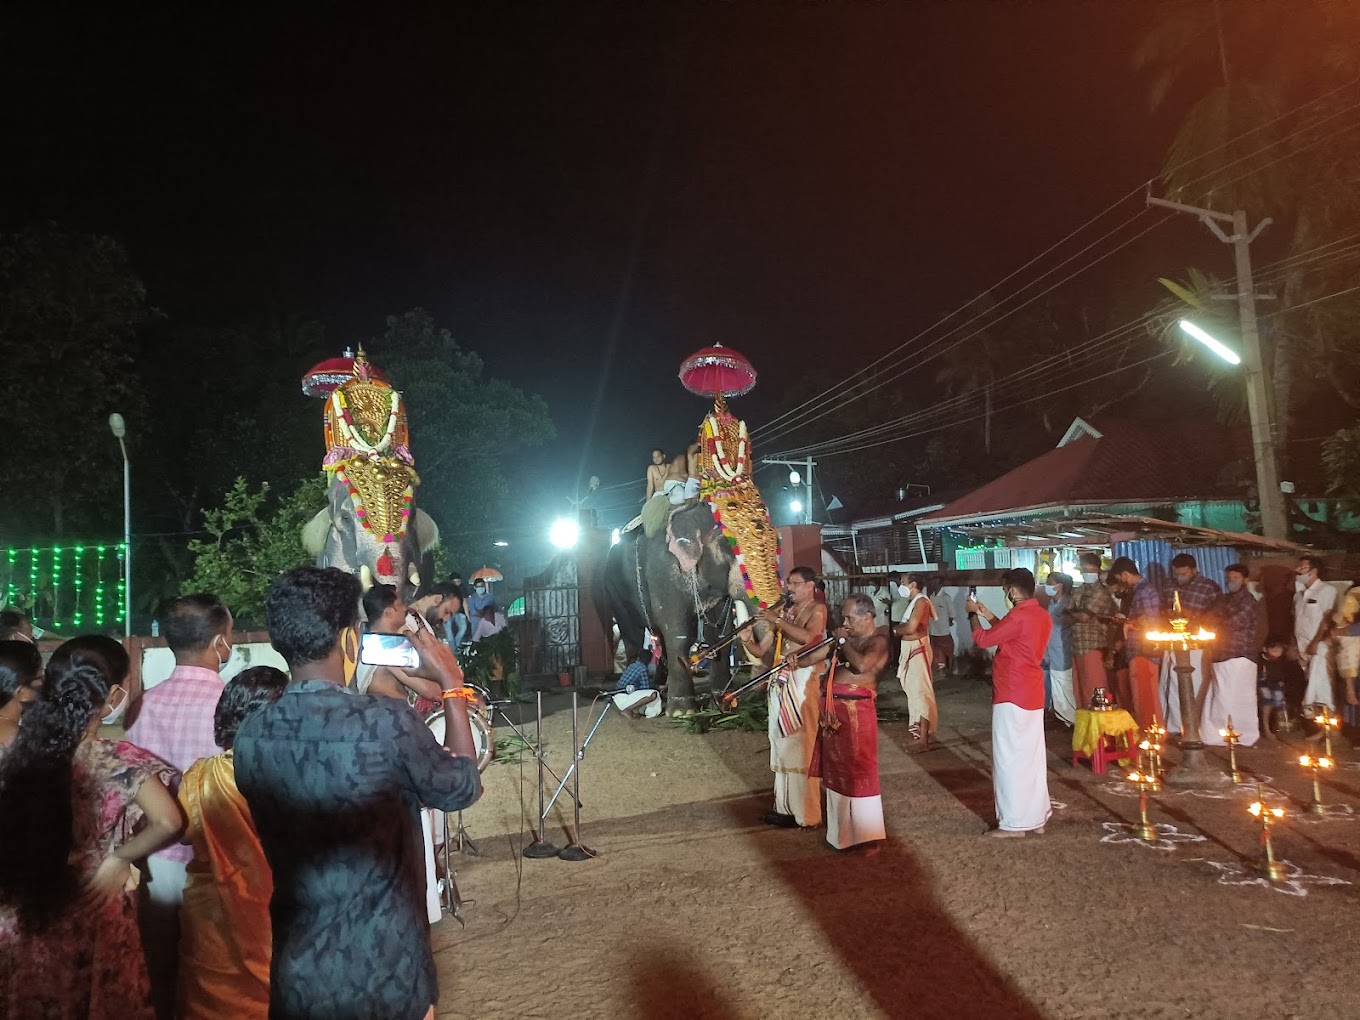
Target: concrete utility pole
x: 1274, y: 521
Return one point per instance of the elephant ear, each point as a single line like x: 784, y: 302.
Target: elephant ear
x: 426, y: 531
x: 314, y: 532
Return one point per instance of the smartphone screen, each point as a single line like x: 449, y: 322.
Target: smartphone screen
x: 388, y: 650
x: 972, y: 591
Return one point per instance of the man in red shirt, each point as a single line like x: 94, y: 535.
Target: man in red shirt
x: 1019, y: 756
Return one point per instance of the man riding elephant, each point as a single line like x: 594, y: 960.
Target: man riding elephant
x: 371, y: 526
x: 682, y: 568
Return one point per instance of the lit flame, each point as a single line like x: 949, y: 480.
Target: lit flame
x: 1255, y: 808
x: 1202, y: 636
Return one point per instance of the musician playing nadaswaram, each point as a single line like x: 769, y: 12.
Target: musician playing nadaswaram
x: 793, y: 700
x: 846, y: 755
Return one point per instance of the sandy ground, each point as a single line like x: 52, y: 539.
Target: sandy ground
x: 693, y: 908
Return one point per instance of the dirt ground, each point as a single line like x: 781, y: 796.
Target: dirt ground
x: 694, y: 908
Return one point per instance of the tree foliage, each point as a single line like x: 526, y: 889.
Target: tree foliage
x: 69, y: 306
x: 466, y: 430
x: 1341, y: 459
x: 253, y: 538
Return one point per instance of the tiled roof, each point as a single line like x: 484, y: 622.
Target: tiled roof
x: 1133, y: 461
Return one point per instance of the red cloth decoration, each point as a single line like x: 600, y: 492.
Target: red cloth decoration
x: 717, y: 370
x: 386, y: 568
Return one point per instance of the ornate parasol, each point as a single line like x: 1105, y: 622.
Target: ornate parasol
x: 324, y: 378
x: 488, y: 574
x: 717, y: 372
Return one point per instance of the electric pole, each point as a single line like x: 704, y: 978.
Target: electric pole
x: 1274, y: 521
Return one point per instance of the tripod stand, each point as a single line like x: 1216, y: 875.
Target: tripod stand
x: 539, y: 848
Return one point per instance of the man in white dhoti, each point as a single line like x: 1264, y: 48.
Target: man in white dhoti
x: 1019, y: 755
x: 1314, y: 603
x: 914, y: 665
x: 1062, y: 698
x: 1238, y: 622
x: 793, y: 700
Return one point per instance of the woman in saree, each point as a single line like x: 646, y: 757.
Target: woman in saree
x: 69, y: 948
x: 225, y: 938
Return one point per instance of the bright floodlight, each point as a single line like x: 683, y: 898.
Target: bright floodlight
x: 501, y: 544
x: 1226, y: 353
x: 117, y: 426
x: 795, y: 478
x: 796, y: 506
x: 564, y: 533
x: 615, y: 537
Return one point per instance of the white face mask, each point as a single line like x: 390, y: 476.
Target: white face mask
x: 1090, y: 577
x: 1050, y: 591
x: 218, y: 645
x: 1234, y: 586
x: 118, y: 692
x: 1301, y: 583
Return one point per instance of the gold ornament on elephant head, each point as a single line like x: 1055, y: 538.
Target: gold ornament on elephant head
x: 725, y: 484
x: 367, y: 448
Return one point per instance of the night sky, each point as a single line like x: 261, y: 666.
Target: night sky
x: 586, y: 192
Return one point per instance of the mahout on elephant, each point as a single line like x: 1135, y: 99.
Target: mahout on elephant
x: 681, y: 571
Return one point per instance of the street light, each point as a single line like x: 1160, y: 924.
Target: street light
x: 796, y: 506
x: 615, y: 537
x: 119, y: 429
x: 795, y: 478
x: 1222, y: 350
x: 564, y: 533
x: 501, y: 544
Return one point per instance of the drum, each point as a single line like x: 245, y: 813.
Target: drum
x: 483, y: 741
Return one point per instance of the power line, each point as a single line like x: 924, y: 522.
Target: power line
x: 849, y: 383
x: 921, y: 361
x: 1072, y: 358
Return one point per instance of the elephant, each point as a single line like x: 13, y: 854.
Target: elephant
x: 337, y: 537
x: 669, y: 582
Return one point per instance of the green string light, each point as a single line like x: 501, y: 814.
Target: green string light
x: 66, y: 584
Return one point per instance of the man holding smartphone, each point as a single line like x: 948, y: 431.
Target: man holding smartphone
x: 335, y: 782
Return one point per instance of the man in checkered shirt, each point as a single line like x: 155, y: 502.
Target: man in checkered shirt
x: 1197, y: 594
x: 174, y: 721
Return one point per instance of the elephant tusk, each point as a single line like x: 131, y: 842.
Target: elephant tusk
x: 413, y: 575
x: 365, y: 577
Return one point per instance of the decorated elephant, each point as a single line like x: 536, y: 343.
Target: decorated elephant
x: 370, y: 526
x: 681, y: 569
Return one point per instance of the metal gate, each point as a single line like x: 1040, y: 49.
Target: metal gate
x: 550, y: 629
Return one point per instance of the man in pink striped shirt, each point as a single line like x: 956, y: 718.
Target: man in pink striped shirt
x: 174, y: 721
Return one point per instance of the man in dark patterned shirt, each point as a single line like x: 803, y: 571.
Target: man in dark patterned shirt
x: 1143, y: 607
x: 1197, y: 593
x: 1091, y: 612
x: 1239, y: 623
x: 335, y: 781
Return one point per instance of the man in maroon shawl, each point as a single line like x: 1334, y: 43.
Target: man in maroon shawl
x: 846, y: 755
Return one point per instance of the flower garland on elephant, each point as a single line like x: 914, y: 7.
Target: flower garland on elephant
x: 725, y: 485
x: 368, y: 451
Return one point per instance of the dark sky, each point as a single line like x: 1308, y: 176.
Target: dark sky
x: 807, y: 182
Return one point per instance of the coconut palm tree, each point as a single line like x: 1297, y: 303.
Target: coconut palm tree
x: 1242, y: 70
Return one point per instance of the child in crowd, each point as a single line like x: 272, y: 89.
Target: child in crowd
x: 1274, y: 681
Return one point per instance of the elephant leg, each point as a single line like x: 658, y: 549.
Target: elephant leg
x: 679, y: 678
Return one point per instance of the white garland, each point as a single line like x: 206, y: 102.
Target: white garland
x: 351, y: 436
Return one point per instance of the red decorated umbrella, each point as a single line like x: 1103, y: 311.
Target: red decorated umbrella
x: 717, y: 371
x: 323, y: 379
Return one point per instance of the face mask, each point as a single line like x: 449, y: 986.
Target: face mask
x: 479, y: 590
x: 1234, y: 586
x: 1300, y: 584
x: 115, y: 712
x: 1050, y: 591
x: 1010, y: 599
x: 1090, y: 577
x: 217, y: 650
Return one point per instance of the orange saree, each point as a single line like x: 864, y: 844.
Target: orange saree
x: 225, y: 933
